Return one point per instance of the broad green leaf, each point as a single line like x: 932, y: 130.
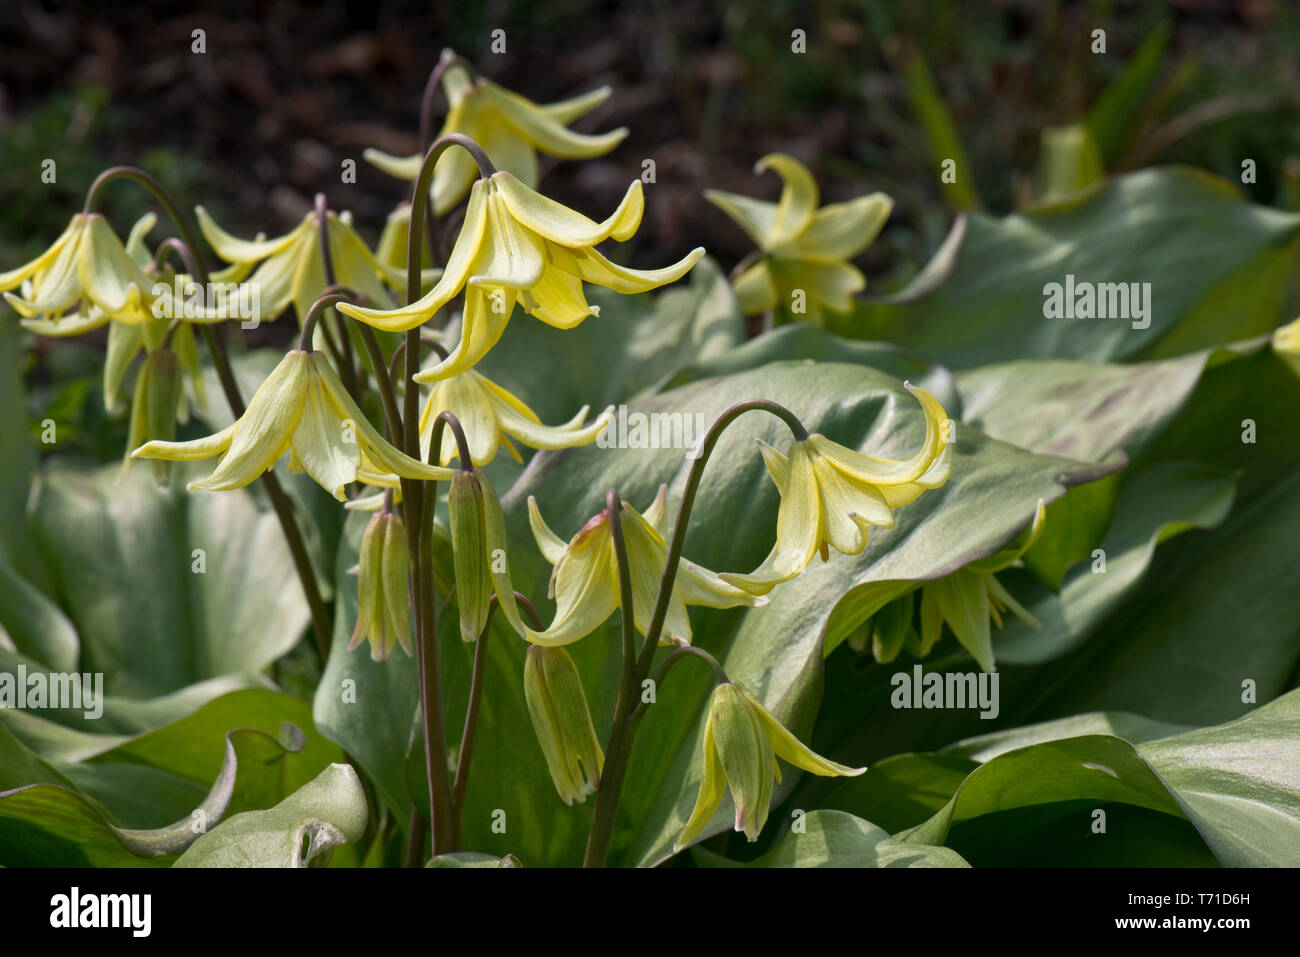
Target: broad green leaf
x: 166, y: 588
x: 1218, y: 269
x: 101, y: 812
x: 324, y: 813
x: 837, y: 839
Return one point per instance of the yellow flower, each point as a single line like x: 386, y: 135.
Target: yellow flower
x: 831, y: 495
x: 479, y: 556
x: 491, y: 416
x: 970, y: 596
x: 802, y: 247
x: 584, y: 581
x: 301, y: 408
x: 87, y: 266
x: 1286, y: 343
x: 557, y: 706
x: 517, y: 246
x: 383, y: 603
x: 510, y: 128
x: 292, y: 269
x: 390, y: 252
x: 742, y: 741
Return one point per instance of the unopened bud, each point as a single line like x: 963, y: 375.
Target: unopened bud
x: 557, y: 705
x: 469, y: 553
x: 153, y: 407
x: 383, y: 606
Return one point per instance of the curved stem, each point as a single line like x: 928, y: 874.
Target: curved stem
x: 314, y: 314
x: 431, y: 93
x: 676, y: 655
x: 341, y: 345
x: 320, y: 620
x: 448, y: 418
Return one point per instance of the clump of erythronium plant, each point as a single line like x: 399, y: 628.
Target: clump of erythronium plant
x: 515, y: 247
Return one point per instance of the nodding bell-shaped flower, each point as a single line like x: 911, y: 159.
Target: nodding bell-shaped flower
x: 801, y: 246
x: 491, y: 417
x: 557, y: 705
x: 742, y: 741
x: 86, y: 265
x: 585, y: 585
x: 292, y: 269
x: 479, y: 556
x: 517, y: 246
x: 970, y: 596
x: 301, y: 408
x: 383, y: 605
x: 831, y: 495
x: 511, y: 129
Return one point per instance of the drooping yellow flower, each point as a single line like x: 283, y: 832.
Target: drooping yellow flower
x: 802, y: 247
x: 491, y: 417
x: 584, y: 581
x: 479, y: 553
x: 511, y: 130
x: 1286, y: 343
x: 383, y: 601
x: 517, y: 246
x: 742, y: 741
x: 86, y: 266
x: 301, y: 408
x: 557, y: 707
x: 831, y: 495
x: 291, y: 269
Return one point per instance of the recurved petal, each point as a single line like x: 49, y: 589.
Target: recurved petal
x: 466, y: 398
x: 566, y: 111
x: 62, y: 327
x: 235, y: 250
x: 798, y: 528
x: 591, y: 266
x: 400, y: 167
x: 192, y: 451
x: 16, y: 277
x: 881, y: 471
x: 790, y: 749
x: 798, y: 203
x: 842, y: 230
x: 559, y: 224
x: 713, y: 786
x: 551, y: 545
x: 57, y: 286
x: 135, y: 247
x: 543, y: 131
x: 557, y: 299
x: 538, y: 436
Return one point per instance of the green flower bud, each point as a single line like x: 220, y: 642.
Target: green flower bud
x: 469, y: 552
x: 153, y: 407
x: 383, y: 606
x: 557, y: 705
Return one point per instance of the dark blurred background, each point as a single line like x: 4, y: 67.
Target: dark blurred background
x: 287, y: 90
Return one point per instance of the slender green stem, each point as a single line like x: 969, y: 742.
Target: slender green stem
x: 466, y: 754
x: 416, y: 834
x: 320, y: 620
x: 621, y: 736
x: 448, y: 418
x: 340, y: 344
x: 314, y: 314
x: 616, y: 753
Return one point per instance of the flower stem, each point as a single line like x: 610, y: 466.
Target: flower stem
x: 343, y: 346
x: 321, y: 626
x: 622, y: 734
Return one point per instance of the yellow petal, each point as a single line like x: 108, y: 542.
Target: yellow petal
x: 483, y: 321
x: 192, y: 451
x: 591, y: 266
x: 713, y: 785
x: 842, y: 230
x: 401, y: 167
x: 16, y: 277
x: 790, y: 749
x: 586, y: 587
x: 566, y: 111
x: 329, y: 452
x: 798, y: 202
x: 755, y: 289
x: 754, y: 216
x: 559, y: 224
x: 235, y: 250
x: 551, y: 545
x: 542, y: 130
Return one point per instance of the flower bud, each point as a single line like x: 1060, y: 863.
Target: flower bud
x: 469, y: 552
x: 383, y: 607
x: 557, y: 706
x: 153, y: 407
x: 748, y: 760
